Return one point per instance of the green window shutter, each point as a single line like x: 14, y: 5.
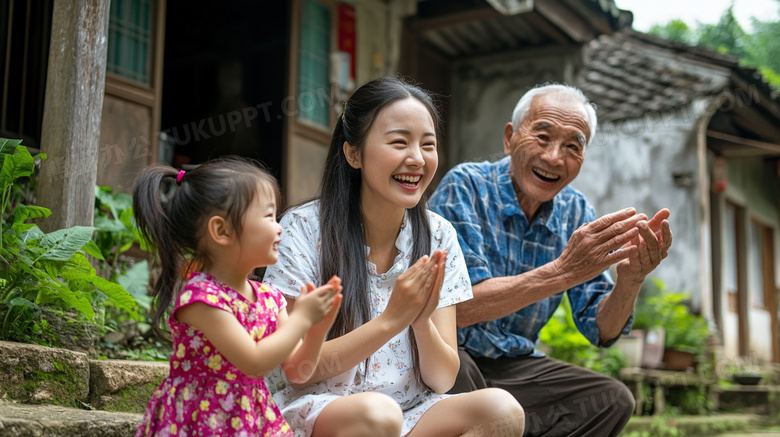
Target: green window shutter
x: 313, y: 64
x: 129, y: 38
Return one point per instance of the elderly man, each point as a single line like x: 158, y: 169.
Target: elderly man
x: 527, y: 237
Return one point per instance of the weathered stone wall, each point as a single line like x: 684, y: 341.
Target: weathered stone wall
x: 650, y: 166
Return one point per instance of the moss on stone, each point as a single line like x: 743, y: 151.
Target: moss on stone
x: 62, y: 385
x: 130, y: 399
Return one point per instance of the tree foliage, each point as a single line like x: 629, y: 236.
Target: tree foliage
x: 756, y: 48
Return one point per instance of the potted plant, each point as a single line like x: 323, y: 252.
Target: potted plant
x: 647, y: 325
x: 685, y: 334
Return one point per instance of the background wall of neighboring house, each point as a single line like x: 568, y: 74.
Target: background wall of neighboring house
x: 484, y: 93
x: 633, y: 164
x: 753, y: 185
x: 378, y: 39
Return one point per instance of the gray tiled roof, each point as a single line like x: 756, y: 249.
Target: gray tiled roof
x: 627, y: 76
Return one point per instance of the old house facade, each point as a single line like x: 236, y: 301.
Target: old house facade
x: 187, y: 81
x: 690, y: 130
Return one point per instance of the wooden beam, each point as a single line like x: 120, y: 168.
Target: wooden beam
x: 565, y: 20
x: 596, y: 20
x: 157, y: 77
x: 770, y: 147
x: 480, y: 14
x: 748, y: 89
x: 518, y: 27
x: 72, y: 109
x: 541, y: 24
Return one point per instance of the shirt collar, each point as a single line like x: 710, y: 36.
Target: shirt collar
x: 549, y: 212
x: 404, y: 241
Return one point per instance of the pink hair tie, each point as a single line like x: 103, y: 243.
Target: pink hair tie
x: 181, y: 175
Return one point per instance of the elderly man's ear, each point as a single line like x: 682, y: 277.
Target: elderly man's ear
x: 353, y: 155
x: 508, y: 131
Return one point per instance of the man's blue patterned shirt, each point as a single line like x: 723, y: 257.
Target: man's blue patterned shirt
x: 480, y: 201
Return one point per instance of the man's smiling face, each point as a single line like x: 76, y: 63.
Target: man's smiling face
x: 547, y: 149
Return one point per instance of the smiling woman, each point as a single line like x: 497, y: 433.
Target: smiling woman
x: 394, y: 342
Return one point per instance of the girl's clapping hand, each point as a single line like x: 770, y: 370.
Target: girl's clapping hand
x: 318, y: 303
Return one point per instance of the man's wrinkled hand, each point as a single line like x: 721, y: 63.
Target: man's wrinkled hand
x: 647, y: 249
x: 595, y: 246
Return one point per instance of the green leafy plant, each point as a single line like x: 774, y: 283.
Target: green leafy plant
x: 44, y: 270
x: 125, y: 335
x: 115, y: 235
x: 562, y: 340
x: 684, y: 331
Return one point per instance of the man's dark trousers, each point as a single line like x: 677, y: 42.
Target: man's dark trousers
x: 559, y: 399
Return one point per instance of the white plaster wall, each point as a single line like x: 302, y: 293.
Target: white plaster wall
x: 759, y: 333
x: 633, y: 164
x: 752, y: 184
x: 485, y: 91
x: 730, y: 330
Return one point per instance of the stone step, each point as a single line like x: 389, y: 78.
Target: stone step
x: 34, y: 374
x: 751, y: 433
x: 699, y: 426
x: 23, y: 420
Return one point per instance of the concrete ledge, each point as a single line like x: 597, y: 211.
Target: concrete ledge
x: 37, y: 374
x: 117, y: 385
x: 19, y: 420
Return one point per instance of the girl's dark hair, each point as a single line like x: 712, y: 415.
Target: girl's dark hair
x: 341, y: 226
x: 172, y: 216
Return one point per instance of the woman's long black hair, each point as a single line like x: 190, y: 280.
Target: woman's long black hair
x: 341, y: 218
x: 172, y: 215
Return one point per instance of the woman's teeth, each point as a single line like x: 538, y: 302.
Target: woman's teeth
x: 407, y: 180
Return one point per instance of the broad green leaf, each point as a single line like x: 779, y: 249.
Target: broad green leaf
x: 15, y: 166
x: 75, y: 300
x: 19, y: 301
x: 135, y: 280
x: 64, y: 243
x: 115, y: 292
x: 34, y: 233
x: 127, y: 218
x: 93, y: 250
x: 115, y: 202
x: 105, y: 224
x: 24, y: 212
x: 78, y: 278
x: 8, y: 146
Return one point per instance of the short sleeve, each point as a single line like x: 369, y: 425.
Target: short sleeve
x: 203, y: 290
x: 456, y: 287
x: 299, y: 259
x: 456, y: 200
x: 267, y: 291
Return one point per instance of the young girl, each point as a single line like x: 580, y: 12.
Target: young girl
x: 392, y: 350
x: 228, y: 332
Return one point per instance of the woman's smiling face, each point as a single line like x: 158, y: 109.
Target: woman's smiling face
x: 399, y: 158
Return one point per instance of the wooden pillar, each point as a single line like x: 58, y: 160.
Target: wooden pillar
x: 70, y: 134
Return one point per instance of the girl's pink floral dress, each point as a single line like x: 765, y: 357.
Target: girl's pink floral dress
x: 205, y: 395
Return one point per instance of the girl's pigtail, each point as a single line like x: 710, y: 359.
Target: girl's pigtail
x: 154, y: 191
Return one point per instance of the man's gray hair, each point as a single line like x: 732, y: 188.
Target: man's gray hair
x: 524, y: 104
